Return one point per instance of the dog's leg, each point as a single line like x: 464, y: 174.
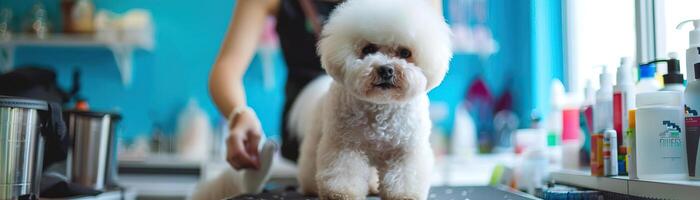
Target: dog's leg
x: 408, y: 176
x: 373, y: 181
x: 342, y: 173
x: 307, y: 163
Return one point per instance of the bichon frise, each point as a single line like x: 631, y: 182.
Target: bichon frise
x: 366, y: 129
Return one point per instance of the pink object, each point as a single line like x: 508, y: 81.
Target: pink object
x: 269, y: 34
x: 570, y: 124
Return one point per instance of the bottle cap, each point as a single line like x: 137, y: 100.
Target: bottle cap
x: 647, y: 70
x: 605, y: 79
x: 673, y: 75
x: 610, y: 133
x: 624, y: 72
x: 660, y: 98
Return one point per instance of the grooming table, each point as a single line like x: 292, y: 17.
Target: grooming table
x: 444, y: 192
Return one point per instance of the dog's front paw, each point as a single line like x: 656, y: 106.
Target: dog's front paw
x: 400, y: 197
x: 327, y: 195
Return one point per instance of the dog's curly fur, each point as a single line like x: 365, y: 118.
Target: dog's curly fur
x: 367, y: 132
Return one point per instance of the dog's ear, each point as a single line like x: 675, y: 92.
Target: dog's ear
x: 333, y: 56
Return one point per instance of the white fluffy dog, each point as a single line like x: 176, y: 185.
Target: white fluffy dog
x: 367, y: 129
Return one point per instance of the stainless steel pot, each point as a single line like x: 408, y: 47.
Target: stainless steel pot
x: 92, y: 160
x: 21, y: 147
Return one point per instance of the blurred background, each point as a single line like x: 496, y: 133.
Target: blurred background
x: 498, y: 57
x: 516, y: 65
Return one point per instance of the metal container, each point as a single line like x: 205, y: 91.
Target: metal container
x: 21, y: 147
x: 92, y: 160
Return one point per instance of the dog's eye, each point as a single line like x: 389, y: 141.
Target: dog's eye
x: 369, y: 49
x: 404, y: 53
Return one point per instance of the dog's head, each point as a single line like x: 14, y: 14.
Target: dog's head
x: 386, y: 51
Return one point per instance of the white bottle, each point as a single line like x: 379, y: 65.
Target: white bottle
x: 647, y: 82
x: 692, y: 54
x: 603, y: 109
x: 623, y: 100
x: 659, y: 145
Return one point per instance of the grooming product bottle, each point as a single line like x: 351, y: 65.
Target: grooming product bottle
x: 692, y: 99
x: 610, y: 152
x: 647, y: 82
x: 692, y: 54
x: 631, y: 152
x: 623, y: 100
x: 692, y: 123
x: 602, y: 120
x: 602, y: 111
x: 597, y: 163
x: 673, y: 79
x: 659, y: 136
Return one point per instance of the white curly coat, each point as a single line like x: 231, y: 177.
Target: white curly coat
x: 360, y: 138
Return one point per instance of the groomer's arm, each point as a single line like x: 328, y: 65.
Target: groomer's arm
x: 226, y: 79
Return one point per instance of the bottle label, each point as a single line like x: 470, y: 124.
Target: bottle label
x: 618, y: 107
x: 659, y: 141
x: 692, y: 134
x: 597, y: 164
x: 670, y: 141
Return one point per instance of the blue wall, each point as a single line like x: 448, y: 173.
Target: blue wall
x: 187, y: 42
x: 547, y: 48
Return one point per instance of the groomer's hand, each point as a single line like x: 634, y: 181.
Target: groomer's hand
x: 242, y: 142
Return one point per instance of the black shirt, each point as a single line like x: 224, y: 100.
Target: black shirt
x: 298, y: 42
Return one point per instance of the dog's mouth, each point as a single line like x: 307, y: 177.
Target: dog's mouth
x: 385, y: 85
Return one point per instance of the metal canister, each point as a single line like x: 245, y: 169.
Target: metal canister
x: 93, y: 156
x: 21, y: 147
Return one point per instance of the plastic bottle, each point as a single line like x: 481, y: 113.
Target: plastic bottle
x: 555, y: 119
x: 673, y: 79
x: 602, y: 111
x: 631, y: 154
x: 692, y: 54
x: 647, y: 83
x: 692, y: 123
x: 623, y: 100
x: 610, y: 152
x: 659, y: 136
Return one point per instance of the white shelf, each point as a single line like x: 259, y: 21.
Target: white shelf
x: 122, y: 51
x: 677, y: 189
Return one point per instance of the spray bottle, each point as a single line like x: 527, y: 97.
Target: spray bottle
x: 692, y: 54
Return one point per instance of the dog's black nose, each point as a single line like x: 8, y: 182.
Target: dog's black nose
x: 385, y: 72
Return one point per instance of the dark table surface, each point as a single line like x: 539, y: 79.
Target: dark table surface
x: 443, y: 192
